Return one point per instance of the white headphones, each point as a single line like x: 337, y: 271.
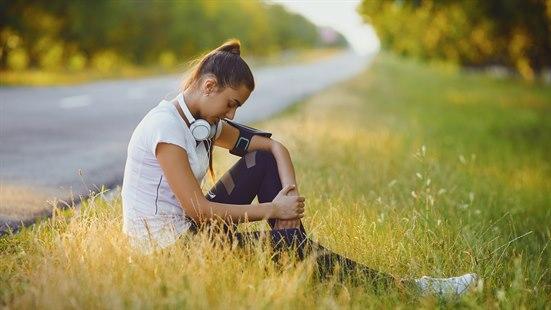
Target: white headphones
x: 200, y: 128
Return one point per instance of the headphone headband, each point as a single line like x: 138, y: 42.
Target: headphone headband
x: 200, y: 128
x: 184, y: 107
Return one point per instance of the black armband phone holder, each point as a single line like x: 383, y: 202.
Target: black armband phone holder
x: 246, y: 134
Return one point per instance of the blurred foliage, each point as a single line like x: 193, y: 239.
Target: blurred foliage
x: 513, y: 33
x: 106, y: 34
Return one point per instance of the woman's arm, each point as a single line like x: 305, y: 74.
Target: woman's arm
x: 227, y: 139
x: 175, y: 165
x: 285, y: 168
x: 287, y: 176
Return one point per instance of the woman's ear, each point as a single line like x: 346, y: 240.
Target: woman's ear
x: 209, y: 85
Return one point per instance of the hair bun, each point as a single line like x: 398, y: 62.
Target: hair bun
x: 231, y: 46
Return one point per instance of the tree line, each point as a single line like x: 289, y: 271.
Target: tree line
x: 512, y: 33
x: 61, y: 34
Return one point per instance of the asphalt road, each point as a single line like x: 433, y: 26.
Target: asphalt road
x: 49, y: 134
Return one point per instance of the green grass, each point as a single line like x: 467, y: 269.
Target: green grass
x: 413, y: 170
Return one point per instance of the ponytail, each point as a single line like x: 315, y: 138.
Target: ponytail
x: 226, y: 64
x: 229, y: 69
x: 232, y: 46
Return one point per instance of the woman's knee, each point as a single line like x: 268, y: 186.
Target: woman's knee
x: 265, y: 158
x: 261, y: 158
x: 264, y: 165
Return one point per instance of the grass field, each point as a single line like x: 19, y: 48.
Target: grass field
x: 412, y: 169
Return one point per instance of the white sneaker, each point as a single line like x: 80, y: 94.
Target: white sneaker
x: 446, y: 286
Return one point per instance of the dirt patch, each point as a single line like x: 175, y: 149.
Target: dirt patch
x: 20, y: 203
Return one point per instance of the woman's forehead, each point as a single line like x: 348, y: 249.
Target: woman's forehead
x: 241, y: 93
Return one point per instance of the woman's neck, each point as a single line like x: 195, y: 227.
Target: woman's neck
x: 191, y: 100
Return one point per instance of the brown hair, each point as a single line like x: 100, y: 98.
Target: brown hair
x: 229, y: 69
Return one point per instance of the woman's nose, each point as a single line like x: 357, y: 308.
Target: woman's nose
x: 230, y: 114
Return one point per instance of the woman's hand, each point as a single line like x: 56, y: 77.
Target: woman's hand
x: 285, y: 224
x: 288, y: 207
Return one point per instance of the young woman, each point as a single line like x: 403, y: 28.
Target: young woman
x: 171, y: 150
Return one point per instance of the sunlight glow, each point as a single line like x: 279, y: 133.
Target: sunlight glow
x: 341, y: 16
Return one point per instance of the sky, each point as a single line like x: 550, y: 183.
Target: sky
x: 339, y: 15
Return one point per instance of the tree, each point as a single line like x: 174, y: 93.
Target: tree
x: 514, y: 33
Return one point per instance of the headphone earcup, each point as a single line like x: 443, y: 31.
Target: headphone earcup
x: 202, y: 130
x: 213, y: 129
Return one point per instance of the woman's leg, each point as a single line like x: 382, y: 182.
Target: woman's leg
x: 328, y: 263
x: 256, y: 174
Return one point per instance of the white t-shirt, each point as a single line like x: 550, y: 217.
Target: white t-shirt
x: 152, y: 216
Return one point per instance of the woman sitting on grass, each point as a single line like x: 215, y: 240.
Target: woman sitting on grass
x: 171, y: 150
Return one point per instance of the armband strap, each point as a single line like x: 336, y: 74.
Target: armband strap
x: 246, y: 134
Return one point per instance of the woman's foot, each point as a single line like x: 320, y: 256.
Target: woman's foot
x: 446, y: 286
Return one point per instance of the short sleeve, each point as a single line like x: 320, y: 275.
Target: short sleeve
x: 218, y: 129
x: 163, y: 129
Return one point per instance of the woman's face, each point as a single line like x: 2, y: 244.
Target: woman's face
x: 222, y: 103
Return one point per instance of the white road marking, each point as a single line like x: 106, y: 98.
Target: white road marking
x: 75, y: 102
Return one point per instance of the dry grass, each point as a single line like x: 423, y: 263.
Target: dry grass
x: 396, y: 177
